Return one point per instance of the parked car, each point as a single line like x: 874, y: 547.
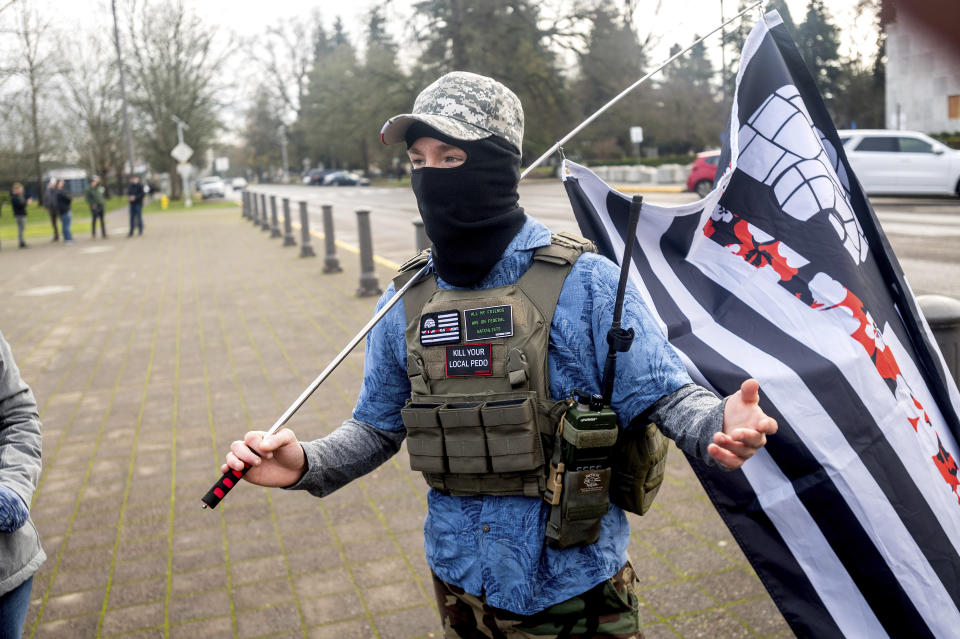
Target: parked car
x: 238, y: 183
x: 888, y: 161
x: 211, y: 186
x: 344, y: 178
x: 314, y: 177
x: 702, y: 172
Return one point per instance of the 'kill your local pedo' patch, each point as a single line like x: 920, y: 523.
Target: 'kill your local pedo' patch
x: 469, y: 360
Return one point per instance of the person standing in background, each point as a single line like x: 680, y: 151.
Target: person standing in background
x: 94, y: 197
x: 63, y: 207
x: 20, y: 442
x: 50, y: 203
x: 135, y: 195
x: 19, y: 204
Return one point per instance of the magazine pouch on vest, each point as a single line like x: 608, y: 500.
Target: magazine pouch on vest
x: 480, y: 420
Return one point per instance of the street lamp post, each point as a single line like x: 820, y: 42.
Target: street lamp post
x: 123, y: 91
x: 283, y: 152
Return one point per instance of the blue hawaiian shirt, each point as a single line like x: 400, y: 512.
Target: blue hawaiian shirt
x: 494, y: 546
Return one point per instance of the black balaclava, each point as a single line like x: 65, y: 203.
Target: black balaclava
x: 470, y: 212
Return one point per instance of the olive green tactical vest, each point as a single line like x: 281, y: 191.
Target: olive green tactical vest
x: 480, y: 419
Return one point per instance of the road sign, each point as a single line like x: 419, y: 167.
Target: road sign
x: 636, y: 134
x: 182, y: 152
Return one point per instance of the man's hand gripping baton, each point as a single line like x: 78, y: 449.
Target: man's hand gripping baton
x: 231, y: 477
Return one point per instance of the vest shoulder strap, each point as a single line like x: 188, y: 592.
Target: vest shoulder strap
x: 564, y: 248
x: 412, y: 265
x: 420, y: 292
x: 544, y: 279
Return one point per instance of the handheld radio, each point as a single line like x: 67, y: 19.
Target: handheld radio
x: 578, y: 486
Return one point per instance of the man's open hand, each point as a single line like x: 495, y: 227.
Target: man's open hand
x: 745, y: 427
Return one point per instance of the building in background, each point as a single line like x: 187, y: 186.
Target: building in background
x: 74, y: 179
x: 922, y: 75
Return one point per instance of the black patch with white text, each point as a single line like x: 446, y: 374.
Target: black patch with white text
x: 488, y: 323
x: 442, y: 327
x: 469, y: 360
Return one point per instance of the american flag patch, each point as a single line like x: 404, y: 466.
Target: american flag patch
x: 442, y: 327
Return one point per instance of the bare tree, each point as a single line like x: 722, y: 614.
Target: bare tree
x: 175, y: 69
x: 35, y: 64
x: 286, y: 55
x: 94, y: 99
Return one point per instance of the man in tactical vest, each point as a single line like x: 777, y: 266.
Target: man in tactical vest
x: 491, y: 368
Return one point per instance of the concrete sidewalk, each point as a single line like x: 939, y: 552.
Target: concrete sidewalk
x: 148, y: 355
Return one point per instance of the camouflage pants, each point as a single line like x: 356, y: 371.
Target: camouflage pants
x: 608, y: 610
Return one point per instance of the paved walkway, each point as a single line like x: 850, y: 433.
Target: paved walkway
x: 148, y: 355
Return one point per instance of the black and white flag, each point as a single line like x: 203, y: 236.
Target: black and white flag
x: 850, y: 515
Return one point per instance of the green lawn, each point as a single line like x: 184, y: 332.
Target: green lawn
x: 38, y: 220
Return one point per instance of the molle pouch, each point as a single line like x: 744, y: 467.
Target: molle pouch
x: 578, y: 487
x: 424, y: 437
x: 463, y: 437
x: 513, y: 438
x: 639, y: 464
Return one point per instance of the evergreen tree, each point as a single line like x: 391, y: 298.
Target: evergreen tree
x: 339, y: 34
x: 735, y: 37
x: 612, y: 60
x: 501, y: 39
x: 690, y: 117
x: 262, y: 134
x: 819, y: 44
x: 330, y: 118
x: 860, y: 101
x: 321, y: 43
x: 381, y: 73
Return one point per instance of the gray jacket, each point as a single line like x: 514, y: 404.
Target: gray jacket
x: 20, y: 551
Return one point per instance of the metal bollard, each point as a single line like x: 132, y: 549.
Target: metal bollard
x: 368, y: 277
x: 274, y: 224
x: 421, y: 241
x: 331, y: 263
x: 943, y: 315
x: 287, y: 224
x: 306, y: 250
x: 264, y: 217
x: 254, y: 209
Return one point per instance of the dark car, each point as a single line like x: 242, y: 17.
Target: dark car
x: 314, y: 177
x: 345, y: 178
x: 702, y: 172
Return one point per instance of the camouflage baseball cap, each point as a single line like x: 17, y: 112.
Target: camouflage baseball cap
x: 465, y: 106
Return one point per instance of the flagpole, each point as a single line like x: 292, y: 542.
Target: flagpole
x: 630, y: 88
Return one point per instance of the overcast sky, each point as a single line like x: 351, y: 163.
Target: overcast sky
x: 676, y: 21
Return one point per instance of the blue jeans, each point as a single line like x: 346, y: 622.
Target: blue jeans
x: 136, y: 217
x: 13, y: 610
x: 66, y: 220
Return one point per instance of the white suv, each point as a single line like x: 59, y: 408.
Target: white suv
x: 211, y: 187
x: 902, y: 162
